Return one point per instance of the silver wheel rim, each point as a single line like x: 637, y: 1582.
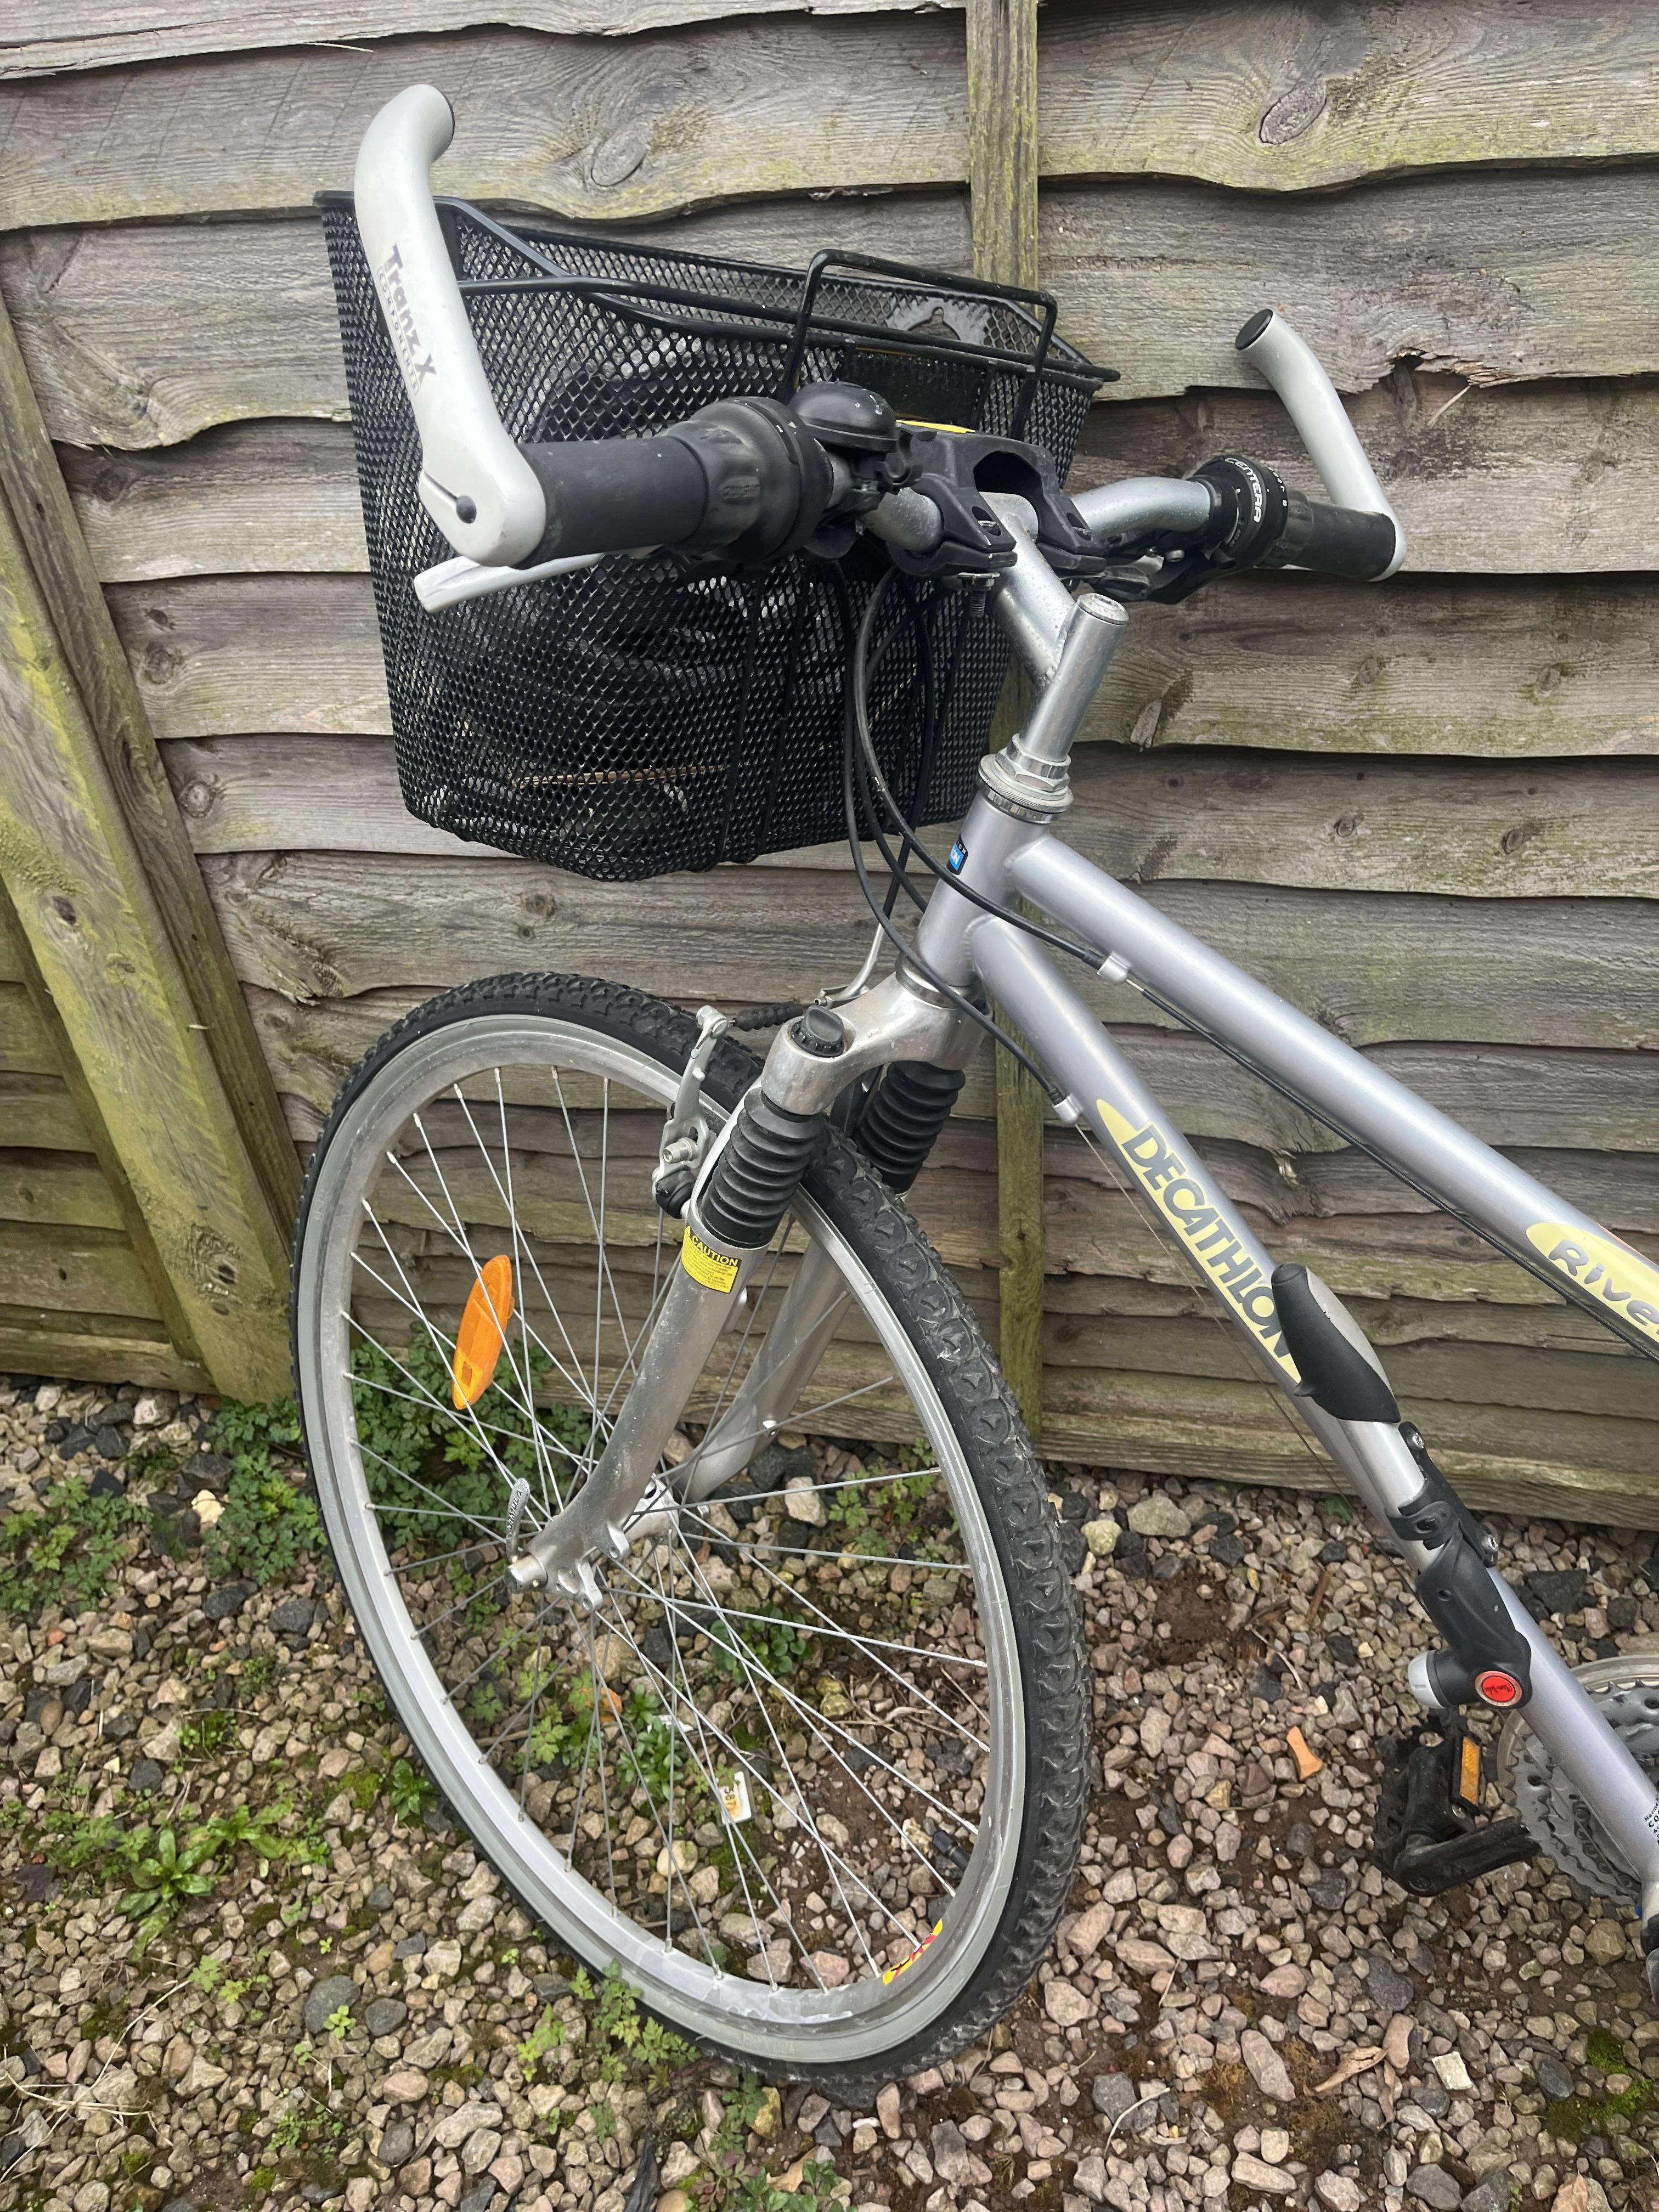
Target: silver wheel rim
x: 789, y: 2013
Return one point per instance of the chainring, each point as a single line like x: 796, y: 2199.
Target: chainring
x: 1625, y: 1691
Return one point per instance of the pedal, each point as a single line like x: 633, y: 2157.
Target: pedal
x: 1431, y: 1834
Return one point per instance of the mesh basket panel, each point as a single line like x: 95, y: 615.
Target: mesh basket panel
x: 647, y: 716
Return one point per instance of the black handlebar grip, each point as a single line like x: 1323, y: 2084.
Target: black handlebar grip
x: 1336, y: 541
x: 611, y: 494
x: 742, y: 478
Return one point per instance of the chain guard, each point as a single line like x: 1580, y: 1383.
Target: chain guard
x: 1625, y: 1691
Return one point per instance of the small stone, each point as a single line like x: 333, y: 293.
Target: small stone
x: 1064, y: 2006
x: 1275, y: 2145
x: 1397, y: 2042
x: 153, y: 1409
x: 1308, y: 1761
x: 1089, y: 1930
x: 1554, y: 2078
x: 109, y: 1442
x: 887, y: 2110
x: 1114, y: 2096
x: 673, y: 2200
x: 460, y: 2122
x: 801, y: 1501
x: 362, y: 2193
x: 1493, y: 2193
x: 480, y: 2197
x: 1267, y: 2067
x: 481, y: 2147
x: 396, y: 2144
x: 385, y: 2016
x: 1252, y: 2172
x: 951, y: 2154
x: 1338, y: 2193
x: 406, y: 2086
x: 225, y: 1604
x: 1158, y: 1516
x: 294, y: 1616
x: 203, y: 2074
x: 1387, y: 1987
x: 1284, y: 1982
x: 1433, y: 2186
x: 1101, y: 1537
x: 1606, y: 1942
x: 1564, y: 1591
x: 146, y: 1775
x: 1090, y: 2179
x: 325, y: 1999
x: 379, y: 1899
x: 1453, y: 2074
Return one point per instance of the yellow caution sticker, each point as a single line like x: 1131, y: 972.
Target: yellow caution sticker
x: 905, y: 1965
x: 734, y: 1798
x: 1204, y: 1227
x: 706, y: 1265
x: 1609, y: 1270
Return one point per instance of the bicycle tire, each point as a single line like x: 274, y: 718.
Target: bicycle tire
x: 1043, y: 1629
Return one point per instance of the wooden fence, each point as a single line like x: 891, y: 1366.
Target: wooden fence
x: 1427, y: 812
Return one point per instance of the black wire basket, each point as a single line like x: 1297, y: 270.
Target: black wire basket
x: 651, y: 714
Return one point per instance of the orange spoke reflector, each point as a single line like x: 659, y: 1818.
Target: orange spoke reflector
x: 482, y: 1332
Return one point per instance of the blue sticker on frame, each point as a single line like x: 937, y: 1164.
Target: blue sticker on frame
x: 959, y: 858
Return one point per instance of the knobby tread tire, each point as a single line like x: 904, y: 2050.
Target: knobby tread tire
x: 1046, y: 1626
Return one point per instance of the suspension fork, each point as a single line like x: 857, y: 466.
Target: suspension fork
x: 747, y: 1183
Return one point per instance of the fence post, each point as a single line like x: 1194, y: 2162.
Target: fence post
x: 119, y: 928
x: 1002, y: 179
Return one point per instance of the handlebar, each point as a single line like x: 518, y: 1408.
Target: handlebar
x: 750, y: 480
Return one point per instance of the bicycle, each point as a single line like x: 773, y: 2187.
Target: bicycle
x: 676, y: 1494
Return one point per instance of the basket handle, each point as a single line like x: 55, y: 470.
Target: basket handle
x: 474, y: 482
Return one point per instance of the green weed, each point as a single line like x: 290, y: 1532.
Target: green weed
x: 270, y: 1523
x: 407, y: 1792
x: 65, y: 1552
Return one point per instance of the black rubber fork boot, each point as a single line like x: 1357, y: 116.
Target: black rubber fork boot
x: 902, y: 1117
x: 756, y: 1176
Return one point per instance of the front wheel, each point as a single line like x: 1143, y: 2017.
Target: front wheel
x: 812, y: 1774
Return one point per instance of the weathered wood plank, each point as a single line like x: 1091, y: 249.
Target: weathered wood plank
x: 249, y: 496
x: 1002, y: 196
x: 1515, y: 479
x: 37, y: 1112
x: 77, y: 879
x: 39, y: 37
x: 1279, y: 95
x: 26, y: 1048
x: 141, y: 335
x: 1263, y: 95
x: 68, y: 1187
x: 1508, y: 669
x: 1424, y: 1377
x: 93, y: 1348
x: 1489, y: 829
x: 1495, y: 276
x: 592, y: 130
x: 1485, y: 828
x: 1517, y: 1095
x: 1506, y: 479
x: 72, y: 1269
x: 1374, y: 967
x: 73, y: 605
x: 144, y: 335
x: 1563, y: 1465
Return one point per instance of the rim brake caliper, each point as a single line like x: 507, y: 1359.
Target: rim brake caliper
x: 686, y: 1132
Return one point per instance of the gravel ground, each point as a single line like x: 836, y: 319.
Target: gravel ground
x: 1239, y: 2011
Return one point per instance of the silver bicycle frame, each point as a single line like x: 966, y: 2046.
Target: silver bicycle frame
x: 1006, y: 852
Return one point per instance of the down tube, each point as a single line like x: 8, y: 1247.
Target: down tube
x: 1554, y: 1239
x: 1071, y: 1042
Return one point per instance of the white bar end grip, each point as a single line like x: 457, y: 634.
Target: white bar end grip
x: 1296, y: 374
x: 475, y: 484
